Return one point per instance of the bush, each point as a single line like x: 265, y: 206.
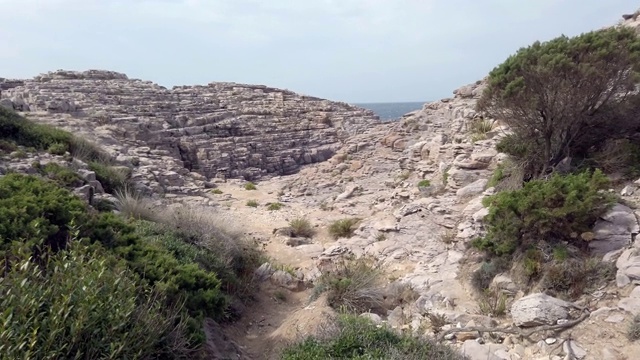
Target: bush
x: 343, y: 228
x: 26, y: 133
x: 493, y: 303
x: 570, y: 278
x: 57, y: 149
x: 7, y: 146
x: 158, y: 266
x: 424, y: 183
x: 112, y: 178
x: 83, y: 305
x: 353, y: 285
x: 558, y: 209
x: 563, y: 97
x: 216, y: 191
x: 252, y: 203
x: 36, y: 212
x: 301, y: 227
x: 482, y: 278
x: 63, y: 176
x: 355, y: 337
x: 250, y: 186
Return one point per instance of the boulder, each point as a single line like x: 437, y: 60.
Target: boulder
x: 475, y: 188
x: 614, y: 230
x: 539, y: 309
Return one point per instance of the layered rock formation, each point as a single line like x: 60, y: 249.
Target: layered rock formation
x: 217, y: 130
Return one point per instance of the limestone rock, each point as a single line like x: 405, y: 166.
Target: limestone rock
x: 539, y: 309
x: 628, y: 265
x: 475, y: 188
x: 614, y: 230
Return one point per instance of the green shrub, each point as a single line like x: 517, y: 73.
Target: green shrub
x: 424, y: 183
x: 112, y: 178
x: 33, y: 210
x: 250, y: 186
x: 199, y: 288
x: 7, y: 146
x: 356, y: 337
x: 353, y: 285
x: 343, y: 228
x: 82, y: 305
x: 252, y: 203
x: 27, y: 133
x: 555, y: 210
x: 301, y: 227
x: 274, y: 206
x: 564, y: 97
x: 493, y: 302
x: 216, y: 191
x: 58, y: 149
x: 63, y: 176
x: 482, y: 278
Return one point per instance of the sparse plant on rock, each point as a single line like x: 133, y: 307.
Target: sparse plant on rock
x: 133, y: 205
x: 493, y: 302
x: 250, y: 186
x: 216, y: 191
x: 343, y: 228
x: 354, y: 285
x: 424, y: 183
x: 252, y: 203
x: 112, y: 178
x: 275, y: 206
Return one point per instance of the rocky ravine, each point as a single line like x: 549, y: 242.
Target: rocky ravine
x: 420, y: 234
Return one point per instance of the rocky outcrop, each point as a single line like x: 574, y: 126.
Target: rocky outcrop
x: 216, y: 130
x: 539, y: 309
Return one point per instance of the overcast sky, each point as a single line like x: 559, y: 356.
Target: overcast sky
x: 347, y: 50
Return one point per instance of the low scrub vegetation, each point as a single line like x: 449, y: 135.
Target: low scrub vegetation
x: 122, y: 287
x: 250, y: 186
x: 252, y: 203
x: 353, y: 285
x: 633, y: 331
x: 275, y: 206
x: 354, y: 337
x: 343, y: 228
x: 112, y: 178
x: 424, y: 183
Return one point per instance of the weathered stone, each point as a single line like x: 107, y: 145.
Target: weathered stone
x: 539, y: 309
x: 572, y: 347
x: 475, y: 188
x: 286, y: 280
x: 614, y: 230
x: 628, y: 265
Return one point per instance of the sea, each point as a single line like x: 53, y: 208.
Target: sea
x: 392, y: 111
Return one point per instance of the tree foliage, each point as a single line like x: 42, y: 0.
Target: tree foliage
x: 563, y: 97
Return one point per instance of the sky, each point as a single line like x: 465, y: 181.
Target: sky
x: 346, y: 50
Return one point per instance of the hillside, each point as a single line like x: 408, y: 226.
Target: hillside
x: 299, y: 228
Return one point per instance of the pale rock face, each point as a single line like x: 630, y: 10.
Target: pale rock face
x: 614, y: 230
x: 539, y: 309
x: 218, y: 130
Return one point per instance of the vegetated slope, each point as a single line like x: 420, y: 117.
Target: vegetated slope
x: 82, y: 281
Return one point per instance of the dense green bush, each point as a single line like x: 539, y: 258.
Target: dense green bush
x: 159, y: 266
x: 564, y: 97
x: 560, y: 208
x: 33, y: 210
x: 80, y: 304
x: 355, y: 337
x: 63, y: 176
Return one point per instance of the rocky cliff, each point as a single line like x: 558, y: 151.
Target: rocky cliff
x: 215, y: 130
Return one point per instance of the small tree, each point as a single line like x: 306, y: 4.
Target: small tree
x: 565, y: 96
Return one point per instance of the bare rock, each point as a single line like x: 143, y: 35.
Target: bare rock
x: 286, y: 280
x: 628, y: 265
x: 476, y: 351
x: 475, y: 188
x: 539, y: 309
x: 614, y: 230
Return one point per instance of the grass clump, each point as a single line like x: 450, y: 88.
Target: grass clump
x: 275, y: 206
x: 58, y: 149
x: 301, y: 227
x: 252, y: 203
x: 424, y: 183
x: 493, y: 302
x: 133, y: 205
x: 7, y: 146
x: 354, y: 337
x: 343, y: 228
x: 250, y: 186
x: 572, y: 277
x: 216, y: 191
x: 354, y: 285
x: 112, y: 178
x: 633, y: 331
